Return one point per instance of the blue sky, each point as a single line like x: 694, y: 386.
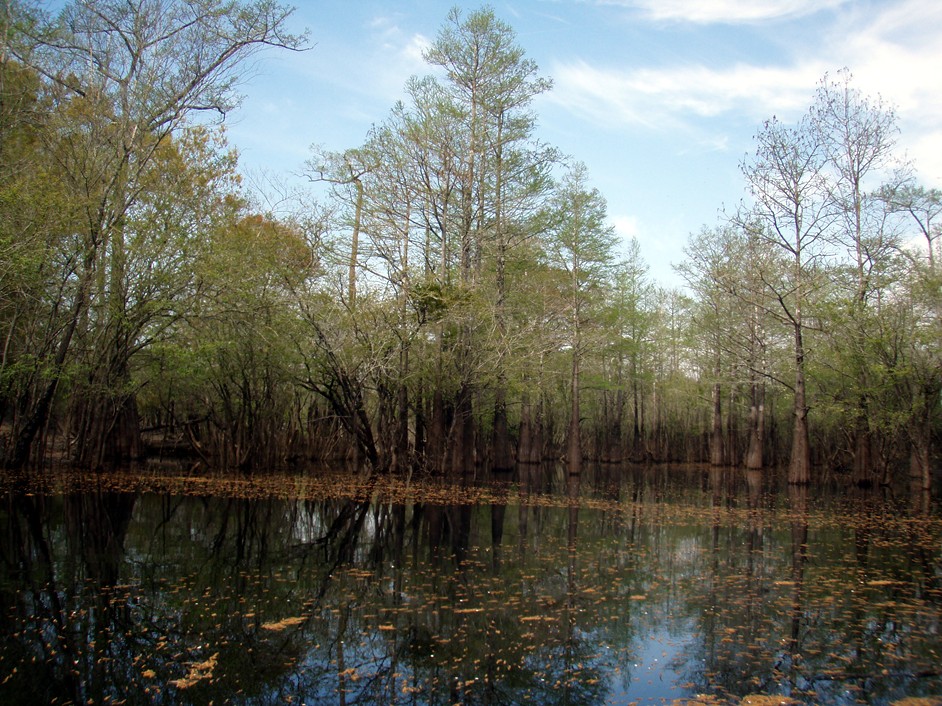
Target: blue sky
x: 659, y: 98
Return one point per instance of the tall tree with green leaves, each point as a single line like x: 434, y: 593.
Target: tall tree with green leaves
x: 923, y: 206
x: 709, y: 271
x: 726, y: 268
x: 124, y: 77
x: 674, y: 426
x: 629, y: 322
x: 793, y: 215
x: 347, y: 173
x: 581, y: 245
x: 857, y: 135
x: 918, y: 305
x: 503, y: 175
x: 37, y: 259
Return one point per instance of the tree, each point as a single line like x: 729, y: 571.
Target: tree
x: 785, y: 178
x: 376, y: 194
x: 37, y: 253
x: 502, y: 176
x: 757, y: 343
x: 674, y: 427
x: 710, y: 270
x: 922, y: 205
x: 239, y: 341
x: 125, y: 76
x: 491, y: 86
x: 344, y: 171
x: 919, y: 373
x: 857, y: 138
x: 582, y: 246
x: 629, y: 321
x: 726, y: 268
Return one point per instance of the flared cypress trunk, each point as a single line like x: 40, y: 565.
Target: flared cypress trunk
x: 755, y: 451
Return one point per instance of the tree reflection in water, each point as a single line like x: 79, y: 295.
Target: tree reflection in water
x: 614, y: 585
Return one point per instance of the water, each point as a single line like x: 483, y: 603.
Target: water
x: 622, y: 586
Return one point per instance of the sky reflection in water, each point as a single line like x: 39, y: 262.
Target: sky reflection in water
x: 620, y: 586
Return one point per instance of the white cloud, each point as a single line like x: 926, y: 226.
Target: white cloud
x: 925, y: 151
x: 668, y: 99
x: 374, y: 67
x: 625, y: 226
x: 414, y: 50
x: 725, y: 11
x: 895, y: 54
x: 398, y: 55
x: 892, y: 52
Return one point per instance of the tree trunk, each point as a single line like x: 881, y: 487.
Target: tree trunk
x: 109, y: 423
x: 717, y: 455
x: 354, y: 248
x: 462, y: 443
x: 40, y: 413
x: 799, y: 466
x: 863, y: 456
x: 420, y: 440
x: 612, y: 445
x: 530, y: 441
x: 500, y: 447
x: 754, y: 454
x: 525, y: 438
x: 920, y: 469
x: 401, y: 451
x: 574, y: 446
x: 435, y: 446
x: 636, y: 451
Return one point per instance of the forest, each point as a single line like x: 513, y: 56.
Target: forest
x: 455, y: 297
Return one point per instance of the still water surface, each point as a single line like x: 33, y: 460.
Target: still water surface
x: 621, y: 586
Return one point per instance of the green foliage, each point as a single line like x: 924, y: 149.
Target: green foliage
x: 457, y: 273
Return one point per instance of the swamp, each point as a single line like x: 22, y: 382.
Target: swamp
x: 622, y: 585
x: 419, y: 427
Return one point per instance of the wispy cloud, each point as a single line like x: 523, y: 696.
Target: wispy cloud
x: 626, y: 226
x: 671, y: 98
x: 725, y: 11
x: 397, y: 55
x: 374, y: 67
x: 891, y: 53
x: 414, y: 50
x: 895, y: 54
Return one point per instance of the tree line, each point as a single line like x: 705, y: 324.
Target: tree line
x: 457, y: 297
